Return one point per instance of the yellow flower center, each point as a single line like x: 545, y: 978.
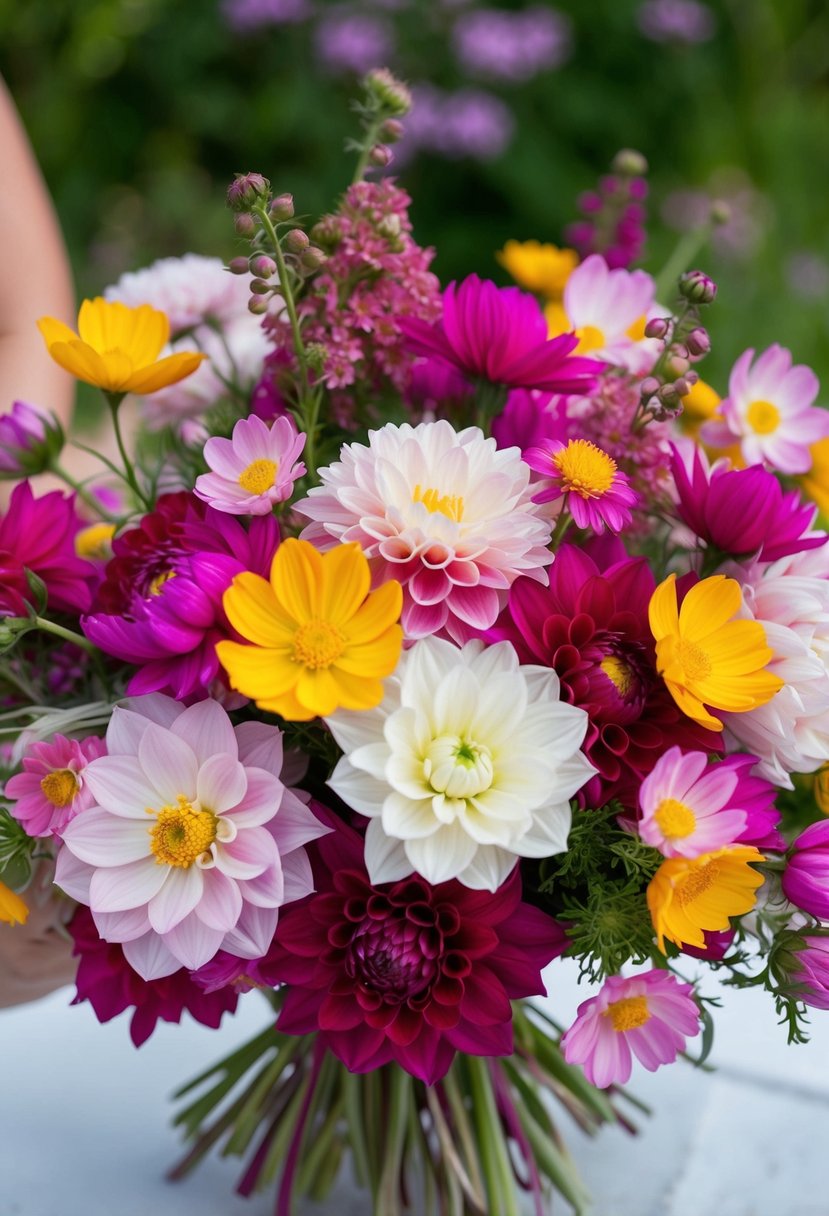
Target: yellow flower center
x: 696, y: 882
x: 763, y: 417
x: 585, y: 469
x: 675, y: 819
x: 694, y: 661
x: 636, y: 331
x: 60, y: 787
x: 259, y: 476
x: 628, y: 1013
x: 157, y: 584
x: 618, y: 673
x: 590, y: 338
x: 181, y: 834
x: 317, y: 644
x: 450, y: 505
x: 94, y: 541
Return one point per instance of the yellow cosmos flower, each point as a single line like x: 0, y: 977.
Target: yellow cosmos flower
x: 117, y: 348
x: 319, y: 639
x: 12, y: 908
x: 815, y: 483
x: 705, y: 657
x: 688, y: 895
x: 543, y: 269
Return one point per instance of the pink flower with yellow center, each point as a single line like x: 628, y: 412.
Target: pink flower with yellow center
x: 598, y: 493
x: 255, y: 469
x: 51, y: 790
x: 690, y: 807
x: 650, y: 1016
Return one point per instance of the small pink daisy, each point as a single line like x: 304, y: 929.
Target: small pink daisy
x: 650, y: 1015
x: 254, y: 469
x: 690, y: 807
x: 51, y: 790
x: 598, y: 494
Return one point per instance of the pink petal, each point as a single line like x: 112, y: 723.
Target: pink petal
x: 121, y: 887
x: 208, y: 730
x: 221, y: 902
x: 119, y: 785
x: 253, y: 935
x: 222, y: 783
x: 123, y: 926
x: 248, y: 855
x: 169, y: 763
x: 177, y: 898
x: 150, y: 957
x: 101, y: 839
x: 260, y: 746
x: 193, y: 943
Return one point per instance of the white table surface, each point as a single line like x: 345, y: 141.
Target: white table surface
x: 84, y: 1120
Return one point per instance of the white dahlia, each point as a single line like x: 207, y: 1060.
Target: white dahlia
x: 190, y: 289
x: 469, y: 763
x: 446, y: 513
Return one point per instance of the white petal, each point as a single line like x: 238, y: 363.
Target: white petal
x: 207, y: 729
x: 177, y: 898
x: 221, y: 784
x: 548, y: 835
x: 253, y: 934
x: 221, y: 903
x: 169, y: 763
x: 456, y: 700
x: 266, y: 890
x: 405, y: 818
x: 73, y: 876
x: 372, y: 758
x: 501, y: 705
x: 248, y: 855
x: 442, y: 856
x: 123, y: 926
x: 193, y: 943
x: 489, y: 868
x: 261, y: 802
x: 150, y: 957
x: 121, y: 887
x: 297, y: 875
x: 119, y: 785
x: 385, y: 857
x: 125, y: 731
x: 156, y: 707
x: 102, y: 839
x: 360, y: 791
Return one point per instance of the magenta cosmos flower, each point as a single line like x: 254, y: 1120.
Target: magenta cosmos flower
x: 499, y: 334
x: 51, y: 790
x: 806, y: 877
x: 810, y: 976
x: 597, y: 493
x: 649, y: 1015
x: 253, y: 470
x: 406, y: 971
x: 190, y: 845
x: 160, y: 604
x: 108, y: 982
x: 443, y: 512
x: 38, y: 534
x: 591, y: 626
x: 28, y: 441
x: 741, y: 512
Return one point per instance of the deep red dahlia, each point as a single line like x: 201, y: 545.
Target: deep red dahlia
x: 406, y: 971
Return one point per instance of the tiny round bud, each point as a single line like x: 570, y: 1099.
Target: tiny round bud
x: 697, y: 287
x: 381, y: 156
x: 245, y: 224
x: 691, y: 378
x: 390, y: 226
x: 698, y: 342
x: 282, y: 207
x: 387, y: 91
x: 682, y: 386
x: 649, y: 386
x: 657, y: 327
x: 257, y: 306
x: 259, y: 287
x: 669, y: 394
x: 327, y: 232
x: 247, y: 190
x: 677, y: 366
x: 391, y: 131
x: 629, y: 163
x: 313, y: 258
x: 263, y: 266
x: 316, y: 355
x: 239, y: 266
x: 720, y: 211
x: 680, y: 350
x: 296, y: 241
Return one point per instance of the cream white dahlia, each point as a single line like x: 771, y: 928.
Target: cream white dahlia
x: 446, y: 513
x: 469, y: 763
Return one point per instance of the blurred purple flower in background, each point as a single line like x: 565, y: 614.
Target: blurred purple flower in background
x: 246, y: 15
x: 513, y: 46
x: 807, y: 274
x: 748, y: 213
x: 676, y: 21
x: 349, y: 41
x: 467, y: 122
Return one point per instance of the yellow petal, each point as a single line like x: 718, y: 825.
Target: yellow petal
x: 693, y: 707
x: 708, y: 605
x: 357, y: 692
x: 256, y: 672
x: 55, y: 331
x: 345, y: 584
x: 80, y: 361
x: 287, y: 707
x: 374, y: 659
x: 317, y: 691
x: 254, y: 611
x: 381, y: 609
x: 662, y: 610
x: 166, y: 371
x: 110, y: 325
x: 13, y: 910
x: 296, y: 577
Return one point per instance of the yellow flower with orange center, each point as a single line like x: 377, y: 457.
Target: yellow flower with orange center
x: 541, y: 268
x: 117, y: 348
x: 319, y: 638
x: 13, y: 910
x: 688, y: 896
x: 705, y: 657
x: 815, y: 483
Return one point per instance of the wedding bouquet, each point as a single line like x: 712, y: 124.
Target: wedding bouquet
x: 413, y: 639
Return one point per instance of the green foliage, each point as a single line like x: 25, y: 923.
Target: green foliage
x: 16, y: 849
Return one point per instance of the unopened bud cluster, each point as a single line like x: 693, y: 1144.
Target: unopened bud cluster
x: 685, y: 341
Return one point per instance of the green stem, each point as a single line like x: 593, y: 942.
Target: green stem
x: 82, y: 492
x: 114, y: 401
x: 685, y: 250
x: 500, y: 1179
x: 562, y: 524
x: 290, y: 306
x: 371, y: 137
x: 19, y: 682
x: 388, y: 1195
x: 68, y: 635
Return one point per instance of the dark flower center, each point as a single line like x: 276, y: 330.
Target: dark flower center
x: 395, y: 956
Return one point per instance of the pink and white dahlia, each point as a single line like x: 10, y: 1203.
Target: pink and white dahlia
x: 447, y: 514
x: 253, y: 470
x: 469, y: 763
x: 650, y: 1015
x: 690, y: 807
x: 52, y: 789
x: 192, y: 843
x: 608, y: 310
x: 770, y: 412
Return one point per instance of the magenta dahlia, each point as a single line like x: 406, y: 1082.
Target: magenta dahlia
x: 38, y: 534
x: 160, y: 604
x: 406, y: 971
x: 591, y: 626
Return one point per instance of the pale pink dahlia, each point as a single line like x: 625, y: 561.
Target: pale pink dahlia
x: 650, y: 1015
x: 448, y: 514
x: 253, y: 470
x: 193, y: 843
x: 52, y: 790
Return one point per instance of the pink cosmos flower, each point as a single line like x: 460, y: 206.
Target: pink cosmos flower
x: 608, y: 310
x: 446, y: 513
x: 769, y: 411
x: 108, y: 982
x: 598, y: 493
x: 690, y: 807
x: 51, y: 790
x: 38, y: 534
x: 253, y: 470
x: 499, y: 334
x: 193, y: 843
x: 806, y: 877
x: 810, y: 976
x: 650, y: 1015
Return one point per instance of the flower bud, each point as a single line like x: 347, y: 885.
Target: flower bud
x: 386, y: 91
x: 245, y: 224
x: 282, y: 207
x: 259, y: 287
x: 239, y: 266
x: 805, y: 880
x: 247, y: 190
x: 380, y: 155
x: 669, y: 394
x: 313, y: 258
x: 720, y: 211
x: 316, y: 355
x: 296, y: 241
x: 697, y: 287
x: 257, y: 306
x: 262, y: 266
x: 657, y: 327
x: 328, y: 232
x: 698, y: 342
x: 629, y: 163
x: 649, y: 386
x: 677, y: 365
x: 29, y: 441
x: 681, y: 386
x: 391, y: 131
x: 690, y: 378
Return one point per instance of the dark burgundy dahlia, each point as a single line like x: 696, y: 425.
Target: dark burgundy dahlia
x: 406, y: 971
x: 591, y: 626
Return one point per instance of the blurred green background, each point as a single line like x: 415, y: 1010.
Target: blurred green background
x: 141, y: 110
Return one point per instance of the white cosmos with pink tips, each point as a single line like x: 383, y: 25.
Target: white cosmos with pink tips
x: 446, y: 513
x: 193, y: 843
